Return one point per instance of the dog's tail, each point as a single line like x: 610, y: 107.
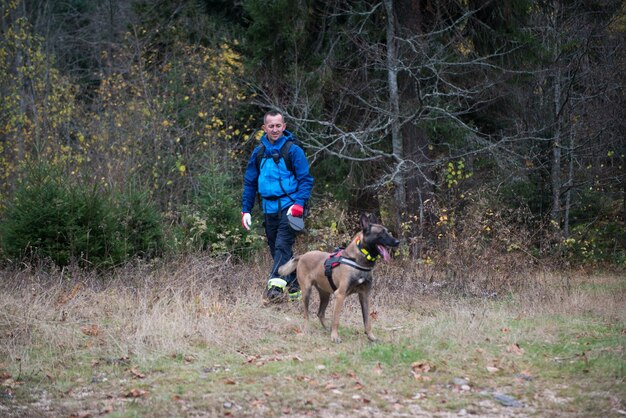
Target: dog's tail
x: 289, y: 267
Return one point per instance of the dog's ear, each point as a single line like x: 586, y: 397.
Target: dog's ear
x: 365, y: 221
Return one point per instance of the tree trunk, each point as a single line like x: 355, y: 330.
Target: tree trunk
x: 555, y: 169
x: 570, y: 183
x: 411, y: 21
x: 394, y: 99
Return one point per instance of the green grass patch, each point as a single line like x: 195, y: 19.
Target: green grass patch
x: 392, y: 354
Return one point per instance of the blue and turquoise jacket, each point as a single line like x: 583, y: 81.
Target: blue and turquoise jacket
x: 278, y: 186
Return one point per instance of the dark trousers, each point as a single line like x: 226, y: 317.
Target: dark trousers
x: 280, y: 238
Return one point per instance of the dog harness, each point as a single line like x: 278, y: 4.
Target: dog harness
x: 334, y: 260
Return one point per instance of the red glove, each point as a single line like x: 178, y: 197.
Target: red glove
x: 296, y: 210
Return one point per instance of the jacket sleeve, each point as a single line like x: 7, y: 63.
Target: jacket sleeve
x: 250, y: 183
x: 303, y: 176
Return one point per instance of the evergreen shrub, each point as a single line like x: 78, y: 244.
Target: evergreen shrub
x: 53, y: 217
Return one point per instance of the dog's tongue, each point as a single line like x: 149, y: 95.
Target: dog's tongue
x: 383, y: 251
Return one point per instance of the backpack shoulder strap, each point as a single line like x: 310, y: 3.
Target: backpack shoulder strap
x: 259, y: 156
x: 284, y: 152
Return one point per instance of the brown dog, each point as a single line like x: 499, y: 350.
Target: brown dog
x: 352, y: 273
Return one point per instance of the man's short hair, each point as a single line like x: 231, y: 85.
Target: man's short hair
x: 272, y: 113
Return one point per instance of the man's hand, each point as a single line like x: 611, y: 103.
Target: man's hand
x: 246, y: 220
x: 296, y: 210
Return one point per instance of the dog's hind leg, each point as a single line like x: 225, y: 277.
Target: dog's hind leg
x: 306, y: 299
x: 364, y: 299
x: 321, y: 312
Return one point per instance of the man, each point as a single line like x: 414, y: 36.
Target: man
x: 279, y: 171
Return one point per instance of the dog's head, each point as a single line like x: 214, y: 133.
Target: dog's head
x: 376, y: 238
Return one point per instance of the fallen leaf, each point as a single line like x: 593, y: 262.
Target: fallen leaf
x: 136, y: 393
x: 229, y: 382
x: 515, y: 349
x: 189, y: 359
x: 257, y: 403
x: 91, y: 330
x: 136, y: 373
x: 10, y: 383
x: 492, y: 369
x: 505, y: 330
x: 421, y: 367
x: 296, y: 330
x: 374, y: 315
x: 421, y: 377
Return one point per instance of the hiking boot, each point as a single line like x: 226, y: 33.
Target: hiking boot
x: 294, y: 292
x: 295, y: 295
x: 275, y: 292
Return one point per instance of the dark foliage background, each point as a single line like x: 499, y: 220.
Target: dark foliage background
x: 475, y: 130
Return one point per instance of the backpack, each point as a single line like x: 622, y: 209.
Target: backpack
x: 284, y: 152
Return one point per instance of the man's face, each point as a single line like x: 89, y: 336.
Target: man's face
x: 274, y: 127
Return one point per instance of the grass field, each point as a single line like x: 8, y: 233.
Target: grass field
x: 191, y: 338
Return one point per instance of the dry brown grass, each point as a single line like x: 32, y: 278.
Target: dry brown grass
x: 51, y: 320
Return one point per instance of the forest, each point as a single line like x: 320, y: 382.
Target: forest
x: 488, y: 136
x: 467, y: 126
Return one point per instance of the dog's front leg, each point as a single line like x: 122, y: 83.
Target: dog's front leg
x: 334, y: 332
x: 364, y: 298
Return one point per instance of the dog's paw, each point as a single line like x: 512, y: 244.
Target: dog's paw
x: 372, y: 338
x: 335, y: 339
x: 323, y: 322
